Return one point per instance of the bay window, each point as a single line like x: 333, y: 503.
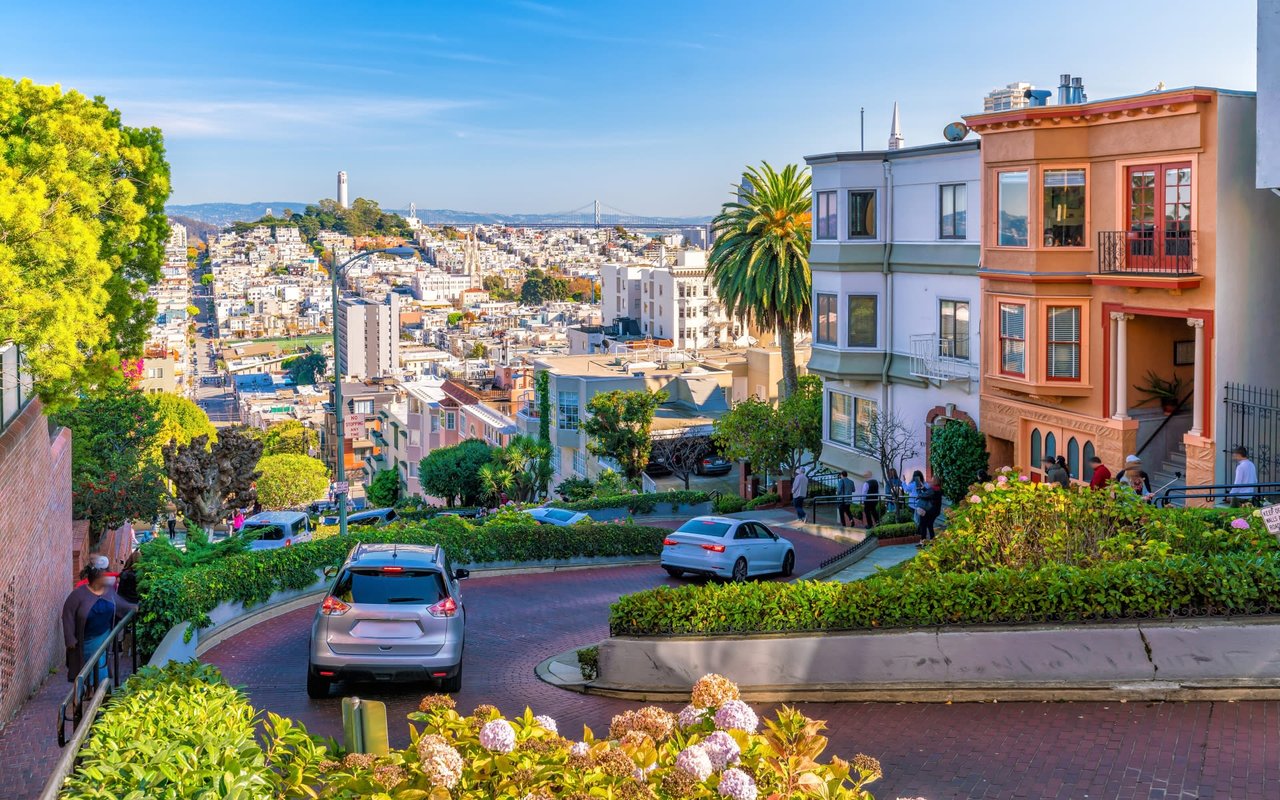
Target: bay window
x: 1013, y: 339
x: 862, y: 320
x: 825, y: 319
x: 824, y: 215
x: 1063, y: 337
x: 1064, y: 199
x: 1012, y: 209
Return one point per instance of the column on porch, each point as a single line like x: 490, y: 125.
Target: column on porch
x: 1120, y: 365
x: 1198, y: 389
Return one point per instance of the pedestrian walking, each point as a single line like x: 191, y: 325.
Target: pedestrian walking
x: 844, y: 501
x: 930, y: 508
x: 237, y: 522
x: 1056, y: 473
x: 1244, y: 486
x: 916, y: 491
x: 893, y: 490
x: 799, y: 489
x: 172, y: 522
x: 88, y: 615
x: 871, y: 503
x: 1101, y: 475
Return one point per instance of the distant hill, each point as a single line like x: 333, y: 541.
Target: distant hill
x: 223, y: 214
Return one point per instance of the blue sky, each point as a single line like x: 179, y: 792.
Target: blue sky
x: 514, y: 105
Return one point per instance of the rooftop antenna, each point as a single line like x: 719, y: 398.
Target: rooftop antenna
x: 862, y: 128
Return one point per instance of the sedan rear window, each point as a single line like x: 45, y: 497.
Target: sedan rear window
x: 704, y: 527
x: 374, y: 586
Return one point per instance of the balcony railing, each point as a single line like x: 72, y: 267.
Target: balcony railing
x: 1147, y: 252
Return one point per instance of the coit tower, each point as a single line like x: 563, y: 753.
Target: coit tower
x: 342, y: 189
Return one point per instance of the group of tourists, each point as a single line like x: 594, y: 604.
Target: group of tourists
x: 922, y: 498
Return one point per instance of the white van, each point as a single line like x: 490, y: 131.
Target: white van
x: 274, y: 529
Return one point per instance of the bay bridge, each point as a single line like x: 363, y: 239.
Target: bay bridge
x: 592, y: 215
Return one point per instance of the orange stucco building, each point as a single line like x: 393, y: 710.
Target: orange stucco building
x: 1119, y: 237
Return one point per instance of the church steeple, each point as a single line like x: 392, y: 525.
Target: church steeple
x: 896, y: 142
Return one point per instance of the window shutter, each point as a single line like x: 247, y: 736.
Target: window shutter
x: 840, y: 429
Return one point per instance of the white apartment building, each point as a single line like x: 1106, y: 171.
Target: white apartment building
x: 673, y: 301
x: 369, y: 337
x: 896, y: 292
x: 1007, y: 98
x: 437, y: 286
x: 175, y: 248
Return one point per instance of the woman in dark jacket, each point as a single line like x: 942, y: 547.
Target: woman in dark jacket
x: 88, y: 615
x: 930, y: 508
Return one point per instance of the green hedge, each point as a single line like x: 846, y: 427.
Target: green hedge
x: 766, y: 499
x: 171, y: 594
x: 637, y: 503
x: 1232, y: 583
x: 728, y: 504
x: 893, y: 530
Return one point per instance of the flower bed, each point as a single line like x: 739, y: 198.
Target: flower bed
x: 1014, y: 552
x: 172, y: 593
x: 182, y: 732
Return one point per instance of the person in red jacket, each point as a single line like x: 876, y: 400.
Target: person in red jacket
x: 1100, y: 474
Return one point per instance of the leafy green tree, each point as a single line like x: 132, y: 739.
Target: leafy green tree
x: 180, y: 420
x: 193, y: 311
x: 775, y: 439
x: 478, y: 350
x: 289, y: 480
x: 384, y: 490
x: 453, y: 473
x: 542, y: 388
x: 539, y: 287
x: 957, y: 455
x: 114, y: 477
x: 206, y: 278
x: 305, y: 369
x: 618, y: 424
x: 522, y: 469
x: 289, y: 437
x: 760, y: 260
x: 82, y: 232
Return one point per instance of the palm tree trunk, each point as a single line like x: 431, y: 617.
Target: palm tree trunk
x: 787, y: 343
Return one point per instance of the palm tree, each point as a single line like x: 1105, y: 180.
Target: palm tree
x: 760, y: 261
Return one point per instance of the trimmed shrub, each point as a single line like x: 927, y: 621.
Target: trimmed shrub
x: 638, y: 503
x: 893, y: 530
x: 766, y: 499
x: 728, y: 504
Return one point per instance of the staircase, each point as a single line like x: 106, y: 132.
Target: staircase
x: 1164, y: 454
x: 1175, y: 462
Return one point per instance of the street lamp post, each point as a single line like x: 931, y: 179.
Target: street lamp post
x: 340, y: 468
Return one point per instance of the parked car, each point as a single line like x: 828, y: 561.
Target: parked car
x: 374, y: 518
x: 272, y: 529
x: 393, y: 613
x: 560, y: 517
x: 657, y: 469
x: 724, y: 547
x: 714, y: 465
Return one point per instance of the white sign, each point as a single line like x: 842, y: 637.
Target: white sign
x: 1271, y: 516
x: 339, y: 487
x: 355, y: 427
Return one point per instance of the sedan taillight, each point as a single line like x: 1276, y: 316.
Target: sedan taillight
x: 669, y: 542
x: 715, y: 548
x: 445, y: 608
x: 334, y: 607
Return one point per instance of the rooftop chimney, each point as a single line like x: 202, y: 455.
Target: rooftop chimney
x: 1077, y: 90
x: 1064, y: 89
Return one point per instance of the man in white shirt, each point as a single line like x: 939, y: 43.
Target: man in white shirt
x: 799, y: 489
x: 1242, y: 489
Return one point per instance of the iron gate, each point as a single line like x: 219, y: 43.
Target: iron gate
x: 1252, y: 419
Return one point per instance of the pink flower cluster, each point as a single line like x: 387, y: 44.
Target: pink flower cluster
x: 695, y: 761
x: 738, y: 785
x: 497, y: 736
x: 721, y: 749
x: 735, y: 715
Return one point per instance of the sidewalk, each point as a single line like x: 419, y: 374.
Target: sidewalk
x: 29, y: 741
x: 878, y: 559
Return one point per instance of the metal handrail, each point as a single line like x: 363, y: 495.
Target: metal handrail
x: 1215, y: 491
x: 831, y: 499
x: 86, y: 682
x: 1168, y: 418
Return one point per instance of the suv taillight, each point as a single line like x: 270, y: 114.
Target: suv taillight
x: 334, y: 607
x: 445, y: 608
x: 288, y: 542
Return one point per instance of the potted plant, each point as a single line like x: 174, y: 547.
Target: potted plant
x: 1167, y: 392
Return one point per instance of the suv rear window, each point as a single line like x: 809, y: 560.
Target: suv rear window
x: 372, y: 586
x: 264, y: 531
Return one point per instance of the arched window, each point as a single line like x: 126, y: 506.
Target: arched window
x: 1088, y: 455
x: 1035, y: 449
x: 1073, y: 458
x: 1050, y: 445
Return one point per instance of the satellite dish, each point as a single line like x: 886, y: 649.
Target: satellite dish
x: 955, y: 131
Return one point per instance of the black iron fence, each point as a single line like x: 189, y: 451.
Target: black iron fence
x: 1251, y: 419
x: 1154, y: 252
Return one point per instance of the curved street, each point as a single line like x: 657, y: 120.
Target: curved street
x: 969, y: 750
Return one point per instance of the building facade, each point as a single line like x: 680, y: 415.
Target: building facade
x: 896, y: 297
x: 369, y: 336
x: 1124, y: 244
x: 1007, y: 98
x: 673, y: 300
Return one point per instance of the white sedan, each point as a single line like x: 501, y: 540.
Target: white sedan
x: 724, y: 547
x: 559, y: 517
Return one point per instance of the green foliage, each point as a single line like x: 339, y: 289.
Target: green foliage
x: 289, y: 480
x: 453, y: 473
x: 478, y: 351
x: 893, y: 530
x: 289, y: 437
x: 637, y: 503
x: 573, y: 489
x: 171, y: 594
x: 363, y: 218
x: 589, y: 662
x: 181, y: 731
x: 521, y: 470
x: 618, y: 424
x: 728, y: 504
x: 454, y: 318
x: 82, y: 232
x: 497, y: 289
x: 115, y: 476
x: 384, y: 490
x: 206, y: 279
x: 542, y: 387
x: 774, y: 439
x: 760, y: 259
x: 180, y: 420
x: 193, y: 311
x: 539, y: 287
x: 957, y: 454
x: 766, y: 499
x: 1014, y: 552
x: 304, y: 370
x: 609, y: 483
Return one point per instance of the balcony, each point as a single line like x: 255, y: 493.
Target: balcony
x: 935, y: 360
x: 1156, y: 253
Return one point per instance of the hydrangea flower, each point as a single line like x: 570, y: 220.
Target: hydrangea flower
x: 713, y: 690
x: 497, y: 736
x: 695, y: 761
x: 439, y: 761
x: 990, y: 487
x: 1024, y: 478
x: 975, y: 499
x: 736, y: 784
x: 1002, y: 480
x: 579, y: 749
x: 1240, y: 524
x: 736, y: 715
x: 721, y: 749
x: 690, y: 716
x: 547, y: 723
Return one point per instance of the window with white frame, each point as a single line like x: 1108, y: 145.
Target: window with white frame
x: 449, y: 420
x: 850, y: 420
x: 1013, y: 339
x: 362, y: 406
x: 825, y: 319
x: 862, y: 213
x: 953, y: 329
x: 1063, y: 339
x: 824, y: 215
x: 567, y: 419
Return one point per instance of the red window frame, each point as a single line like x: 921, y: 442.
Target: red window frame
x: 1148, y: 247
x: 1049, y: 343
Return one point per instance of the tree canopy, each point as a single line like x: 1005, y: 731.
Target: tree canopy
x: 453, y: 473
x: 304, y: 370
x: 775, y: 439
x: 289, y: 480
x: 180, y: 420
x: 957, y: 455
x: 618, y: 425
x: 384, y: 490
x: 539, y: 287
x: 363, y: 218
x: 289, y: 437
x: 82, y: 233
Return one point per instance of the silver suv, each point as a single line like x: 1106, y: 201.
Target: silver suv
x: 394, y: 613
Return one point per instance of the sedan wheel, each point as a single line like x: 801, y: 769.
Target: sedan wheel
x: 740, y: 570
x: 789, y: 564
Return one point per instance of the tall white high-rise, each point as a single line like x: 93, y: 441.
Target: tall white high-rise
x: 369, y: 336
x: 896, y: 141
x: 1008, y: 98
x: 342, y: 190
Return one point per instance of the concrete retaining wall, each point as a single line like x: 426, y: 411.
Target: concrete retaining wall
x: 1118, y: 658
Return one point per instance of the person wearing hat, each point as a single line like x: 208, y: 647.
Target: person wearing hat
x: 1243, y: 487
x: 88, y: 615
x: 1136, y: 478
x: 104, y: 564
